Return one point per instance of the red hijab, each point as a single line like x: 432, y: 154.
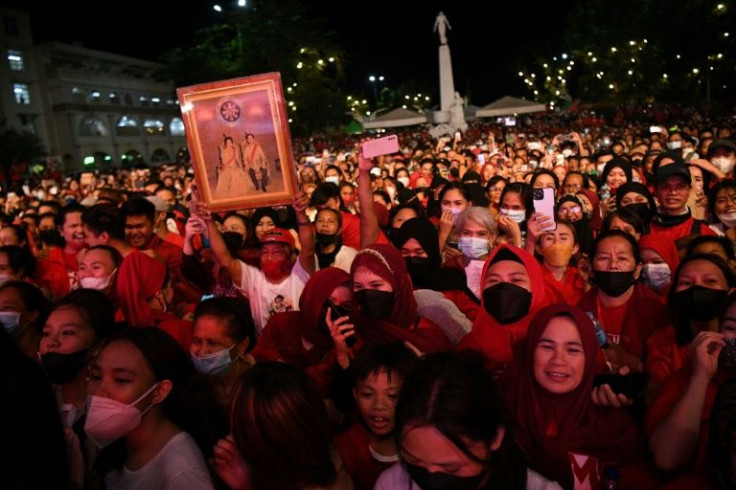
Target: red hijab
x: 139, y: 278
x: 316, y: 291
x: 386, y: 261
x: 667, y: 250
x: 596, y: 220
x: 492, y: 338
x: 550, y: 426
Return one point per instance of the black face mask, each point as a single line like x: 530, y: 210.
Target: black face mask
x: 507, y: 302
x: 698, y: 303
x: 642, y: 210
x: 417, y: 265
x: 442, y: 481
x: 233, y: 241
x: 612, y: 283
x: 375, y: 304
x: 63, y: 368
x: 326, y: 239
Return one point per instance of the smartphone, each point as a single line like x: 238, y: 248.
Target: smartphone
x: 482, y: 158
x: 655, y: 129
x: 534, y: 145
x: 631, y: 385
x: 560, y: 159
x: 544, y: 203
x: 509, y: 121
x: 381, y: 146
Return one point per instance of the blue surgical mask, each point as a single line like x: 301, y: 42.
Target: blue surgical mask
x: 473, y: 247
x: 10, y: 321
x: 214, y: 363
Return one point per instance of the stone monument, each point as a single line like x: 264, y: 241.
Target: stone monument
x: 451, y: 116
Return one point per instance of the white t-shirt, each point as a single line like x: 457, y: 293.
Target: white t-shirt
x: 267, y: 298
x: 397, y: 478
x: 178, y: 466
x: 343, y: 258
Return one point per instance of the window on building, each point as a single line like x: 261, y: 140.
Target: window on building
x: 176, y: 127
x: 77, y: 94
x: 131, y: 157
x: 128, y: 99
x: 143, y: 100
x: 95, y: 96
x: 10, y: 24
x: 155, y: 101
x: 92, y: 126
x: 154, y: 127
x: 15, y: 60
x: 126, y: 126
x: 171, y: 102
x: 114, y: 99
x: 21, y: 93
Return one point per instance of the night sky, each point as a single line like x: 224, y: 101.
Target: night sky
x: 489, y: 41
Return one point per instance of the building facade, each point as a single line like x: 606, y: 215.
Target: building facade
x: 91, y: 109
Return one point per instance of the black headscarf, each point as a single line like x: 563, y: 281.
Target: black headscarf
x: 434, y: 277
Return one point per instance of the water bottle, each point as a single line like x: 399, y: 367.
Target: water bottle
x: 611, y: 478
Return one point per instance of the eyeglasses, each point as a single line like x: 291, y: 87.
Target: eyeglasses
x: 574, y: 209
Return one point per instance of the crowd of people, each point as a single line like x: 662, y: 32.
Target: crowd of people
x: 410, y: 321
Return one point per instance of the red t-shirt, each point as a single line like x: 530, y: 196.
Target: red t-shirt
x: 363, y: 468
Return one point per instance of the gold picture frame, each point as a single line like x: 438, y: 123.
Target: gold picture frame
x: 239, y: 141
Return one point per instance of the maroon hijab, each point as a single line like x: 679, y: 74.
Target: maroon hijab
x: 596, y: 220
x: 386, y: 261
x: 550, y: 426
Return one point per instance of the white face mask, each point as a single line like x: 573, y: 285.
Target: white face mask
x: 98, y: 283
x: 108, y: 420
x: 724, y: 164
x: 656, y: 276
x: 455, y: 211
x: 214, y: 363
x: 728, y: 219
x: 404, y: 181
x: 674, y: 145
x: 473, y: 247
x: 332, y: 178
x: 517, y: 215
x: 10, y: 320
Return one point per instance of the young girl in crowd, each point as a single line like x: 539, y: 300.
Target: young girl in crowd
x: 369, y: 446
x: 223, y: 336
x: 454, y: 432
x: 149, y: 414
x: 384, y: 306
x: 556, y: 249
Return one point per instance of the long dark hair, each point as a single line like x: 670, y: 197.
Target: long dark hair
x: 456, y: 394
x: 281, y: 428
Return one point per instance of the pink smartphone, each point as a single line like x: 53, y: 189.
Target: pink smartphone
x: 544, y: 203
x: 381, y: 146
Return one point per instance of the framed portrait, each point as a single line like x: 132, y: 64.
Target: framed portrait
x: 238, y: 136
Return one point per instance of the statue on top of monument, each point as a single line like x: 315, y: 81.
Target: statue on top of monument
x: 442, y: 24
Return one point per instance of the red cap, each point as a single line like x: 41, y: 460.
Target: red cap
x: 279, y: 235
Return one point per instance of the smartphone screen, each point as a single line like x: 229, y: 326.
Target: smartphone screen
x: 544, y: 203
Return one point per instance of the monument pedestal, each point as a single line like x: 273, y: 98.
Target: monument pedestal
x: 447, y: 84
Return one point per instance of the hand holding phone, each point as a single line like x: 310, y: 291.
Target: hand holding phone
x: 544, y: 203
x: 381, y: 146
